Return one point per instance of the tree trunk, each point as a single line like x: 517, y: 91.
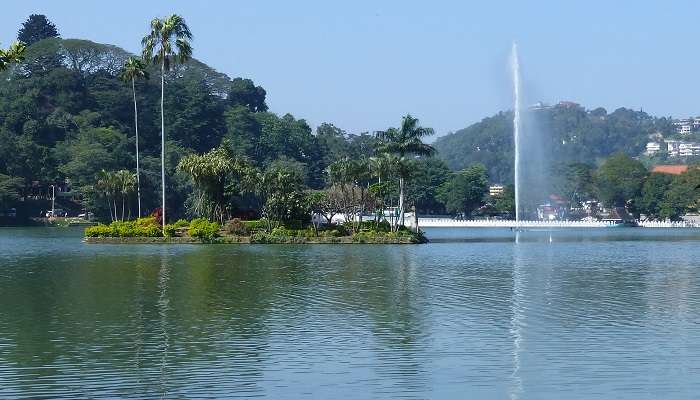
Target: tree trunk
x: 122, y: 208
x: 162, y: 138
x: 399, y: 220
x: 136, y: 125
x: 109, y: 206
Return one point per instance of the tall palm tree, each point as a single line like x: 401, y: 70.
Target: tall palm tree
x: 134, y: 69
x: 403, y: 142
x: 14, y: 54
x: 166, y: 45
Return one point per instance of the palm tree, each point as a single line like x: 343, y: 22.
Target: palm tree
x: 14, y: 54
x: 403, y: 142
x: 166, y: 44
x: 107, y: 185
x: 124, y: 182
x: 134, y: 69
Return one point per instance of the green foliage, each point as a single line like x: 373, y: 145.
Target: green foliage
x: 36, y: 28
x: 144, y: 227
x: 682, y: 196
x: 9, y: 190
x: 169, y: 230
x: 203, y: 229
x: 465, y: 190
x: 619, y: 179
x: 573, y: 135
x: 653, y: 195
x: 211, y: 174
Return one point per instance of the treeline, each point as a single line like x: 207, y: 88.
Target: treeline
x: 67, y: 119
x: 565, y: 133
x: 621, y: 181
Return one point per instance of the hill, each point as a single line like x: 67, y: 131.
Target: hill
x: 563, y: 134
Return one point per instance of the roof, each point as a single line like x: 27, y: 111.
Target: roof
x: 670, y: 169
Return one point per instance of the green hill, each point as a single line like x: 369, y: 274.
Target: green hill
x: 566, y: 133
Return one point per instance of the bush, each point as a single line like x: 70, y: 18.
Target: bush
x: 98, y: 231
x: 255, y: 225
x: 203, y: 229
x: 170, y: 230
x: 236, y: 227
x: 181, y: 223
x: 143, y: 227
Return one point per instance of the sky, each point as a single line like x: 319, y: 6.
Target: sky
x: 363, y: 64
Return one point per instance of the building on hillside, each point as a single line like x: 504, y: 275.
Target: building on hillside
x: 540, y: 106
x: 670, y: 169
x: 652, y: 148
x: 688, y: 149
x: 568, y: 104
x: 673, y: 148
x: 496, y: 190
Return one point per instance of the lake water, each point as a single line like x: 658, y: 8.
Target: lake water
x: 593, y: 314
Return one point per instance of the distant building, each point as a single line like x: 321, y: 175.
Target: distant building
x: 670, y: 169
x: 568, y: 104
x: 653, y: 148
x: 686, y: 149
x: 540, y: 106
x: 496, y: 190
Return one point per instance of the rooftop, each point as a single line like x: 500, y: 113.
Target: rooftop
x: 670, y: 169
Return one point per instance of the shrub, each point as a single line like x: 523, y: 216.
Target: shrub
x: 236, y: 227
x: 255, y: 225
x: 203, y: 229
x: 143, y: 227
x: 170, y: 230
x: 98, y: 231
x: 181, y: 223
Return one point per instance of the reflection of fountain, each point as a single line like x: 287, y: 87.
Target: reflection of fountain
x: 515, y: 65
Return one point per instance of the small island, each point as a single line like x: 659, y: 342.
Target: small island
x: 235, y: 231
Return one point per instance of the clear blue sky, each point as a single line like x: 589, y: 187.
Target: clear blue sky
x: 362, y: 64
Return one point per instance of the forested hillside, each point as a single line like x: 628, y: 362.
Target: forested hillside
x: 568, y: 132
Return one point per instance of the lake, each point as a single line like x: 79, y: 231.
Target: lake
x: 589, y: 314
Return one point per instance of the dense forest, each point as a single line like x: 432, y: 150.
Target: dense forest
x: 68, y: 113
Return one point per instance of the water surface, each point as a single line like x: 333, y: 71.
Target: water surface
x: 565, y: 314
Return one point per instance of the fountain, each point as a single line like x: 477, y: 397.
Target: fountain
x: 515, y: 66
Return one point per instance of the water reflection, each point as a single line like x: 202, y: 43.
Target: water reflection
x: 493, y: 319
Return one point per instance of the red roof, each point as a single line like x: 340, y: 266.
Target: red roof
x: 670, y: 169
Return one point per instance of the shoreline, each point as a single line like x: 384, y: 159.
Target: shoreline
x: 251, y: 240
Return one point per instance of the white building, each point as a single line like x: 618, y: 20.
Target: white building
x: 653, y: 148
x: 686, y: 149
x: 496, y: 190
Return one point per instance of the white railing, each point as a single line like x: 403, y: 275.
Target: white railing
x: 447, y: 223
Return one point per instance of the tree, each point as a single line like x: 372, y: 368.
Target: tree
x: 125, y: 184
x: 211, y: 174
x: 683, y: 195
x: 505, y: 202
x: 465, y: 190
x: 14, y: 54
x: 135, y: 69
x: 244, y: 93
x: 619, y: 180
x: 282, y: 187
x: 405, y: 141
x: 576, y: 182
x: 36, y: 28
x: 166, y: 44
x: 653, y: 194
x: 9, y: 190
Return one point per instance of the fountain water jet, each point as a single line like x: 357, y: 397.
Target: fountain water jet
x: 515, y: 66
